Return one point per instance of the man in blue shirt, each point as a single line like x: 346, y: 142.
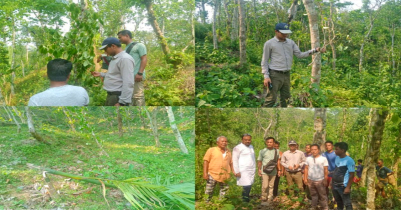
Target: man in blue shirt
x: 342, y: 176
x: 330, y: 155
x: 382, y: 175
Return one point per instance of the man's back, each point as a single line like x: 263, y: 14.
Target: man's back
x: 66, y: 95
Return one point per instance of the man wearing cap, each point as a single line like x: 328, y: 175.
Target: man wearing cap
x: 244, y: 165
x: 139, y: 54
x: 60, y: 93
x: 293, y: 160
x: 279, y: 51
x: 119, y: 79
x: 217, y: 166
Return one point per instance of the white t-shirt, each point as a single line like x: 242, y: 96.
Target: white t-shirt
x: 66, y: 95
x: 316, y: 167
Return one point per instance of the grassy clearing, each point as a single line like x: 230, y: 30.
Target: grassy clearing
x: 132, y: 155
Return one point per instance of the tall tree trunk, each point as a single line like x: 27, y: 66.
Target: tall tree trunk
x: 361, y: 56
x: 27, y: 59
x: 376, y: 127
x: 234, y: 28
x: 203, y: 15
x: 155, y: 26
x: 120, y: 122
x: 267, y: 129
x: 344, y: 124
x: 315, y: 40
x: 9, y: 112
x: 215, y: 46
x: 31, y: 127
x: 372, y: 17
x: 242, y: 33
x: 13, y: 59
x: 153, y: 124
x: 70, y: 121
x: 319, y: 137
x: 292, y: 11
x: 175, y: 130
x: 193, y: 28
x: 229, y: 17
x: 395, y: 169
x: 141, y: 113
x: 18, y: 113
x: 392, y: 48
x: 332, y: 36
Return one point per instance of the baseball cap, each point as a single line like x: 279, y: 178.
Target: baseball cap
x: 292, y: 142
x: 283, y: 28
x: 109, y: 40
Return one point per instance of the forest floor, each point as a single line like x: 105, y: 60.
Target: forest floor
x: 280, y: 202
x: 22, y: 186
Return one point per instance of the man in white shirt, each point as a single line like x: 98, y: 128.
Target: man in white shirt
x: 60, y: 93
x: 315, y: 176
x: 244, y: 165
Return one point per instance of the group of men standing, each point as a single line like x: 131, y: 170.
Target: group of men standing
x: 123, y: 80
x: 312, y: 170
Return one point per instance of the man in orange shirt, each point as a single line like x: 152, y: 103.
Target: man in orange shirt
x: 217, y: 165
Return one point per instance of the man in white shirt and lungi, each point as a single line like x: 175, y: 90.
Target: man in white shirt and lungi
x: 244, y: 165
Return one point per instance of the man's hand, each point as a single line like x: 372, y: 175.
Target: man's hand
x: 322, y: 50
x: 296, y: 167
x: 95, y: 73
x: 260, y: 172
x: 266, y: 82
x: 238, y: 175
x: 347, y: 190
x: 205, y: 176
x: 291, y: 168
x: 280, y: 173
x: 117, y: 104
x: 306, y: 181
x: 325, y: 182
x: 138, y: 78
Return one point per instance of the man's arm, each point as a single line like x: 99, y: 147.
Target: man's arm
x: 326, y: 174
x: 283, y: 161
x: 347, y: 189
x: 302, y: 161
x: 306, y: 174
x: 280, y: 172
x: 127, y: 76
x: 265, y: 59
x: 297, y: 52
x: 235, y: 161
x: 260, y: 168
x: 205, y: 169
x: 144, y: 61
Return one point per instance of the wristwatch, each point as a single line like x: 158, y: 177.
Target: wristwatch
x: 139, y: 73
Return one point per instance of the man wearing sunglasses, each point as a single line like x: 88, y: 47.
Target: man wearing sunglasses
x: 276, y: 64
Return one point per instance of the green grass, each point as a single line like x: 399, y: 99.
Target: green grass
x: 133, y: 155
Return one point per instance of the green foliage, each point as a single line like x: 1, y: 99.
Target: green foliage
x: 75, y: 152
x: 4, y: 60
x: 378, y: 84
x: 228, y: 86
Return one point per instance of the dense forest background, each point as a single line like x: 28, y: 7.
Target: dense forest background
x: 36, y: 31
x: 360, y: 68
x: 370, y: 134
x: 153, y: 146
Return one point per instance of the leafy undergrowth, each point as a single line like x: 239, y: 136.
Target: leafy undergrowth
x: 221, y: 83
x: 133, y: 155
x: 165, y: 85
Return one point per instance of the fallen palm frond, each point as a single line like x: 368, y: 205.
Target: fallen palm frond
x: 142, y: 194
